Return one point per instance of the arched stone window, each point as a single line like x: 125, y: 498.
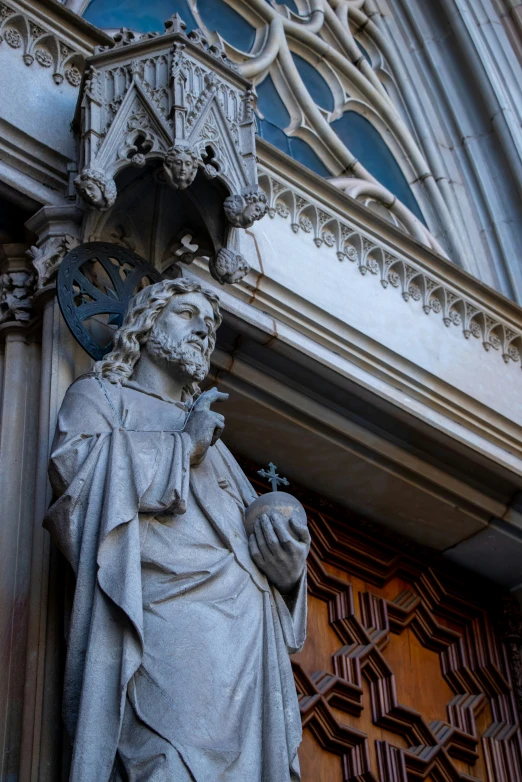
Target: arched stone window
x: 325, y: 97
x: 273, y: 120
x: 368, y: 146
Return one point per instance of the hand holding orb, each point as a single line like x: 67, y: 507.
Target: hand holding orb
x: 279, y: 540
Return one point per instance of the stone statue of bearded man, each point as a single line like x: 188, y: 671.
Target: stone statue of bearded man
x: 177, y: 665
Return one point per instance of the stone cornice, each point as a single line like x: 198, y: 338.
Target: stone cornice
x: 277, y: 317
x: 150, y: 46
x: 379, y: 249
x: 32, y: 167
x: 41, y: 43
x: 53, y: 14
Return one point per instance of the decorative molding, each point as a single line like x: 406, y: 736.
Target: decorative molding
x: 375, y: 259
x: 371, y: 194
x: 40, y: 45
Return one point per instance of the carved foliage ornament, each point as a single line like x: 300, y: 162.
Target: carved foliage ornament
x: 47, y: 258
x: 16, y: 289
x: 171, y: 99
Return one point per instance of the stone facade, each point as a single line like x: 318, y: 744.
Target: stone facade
x: 354, y: 334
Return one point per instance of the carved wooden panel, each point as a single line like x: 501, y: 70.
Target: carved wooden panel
x: 404, y: 675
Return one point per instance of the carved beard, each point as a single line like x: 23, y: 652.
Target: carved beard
x: 190, y: 361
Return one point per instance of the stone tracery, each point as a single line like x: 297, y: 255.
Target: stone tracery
x: 323, y: 35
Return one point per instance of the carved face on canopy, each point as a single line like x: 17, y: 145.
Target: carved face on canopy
x: 96, y: 189
x: 243, y: 210
x: 255, y: 211
x: 180, y: 166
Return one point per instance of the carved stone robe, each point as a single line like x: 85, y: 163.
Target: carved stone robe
x: 178, y: 646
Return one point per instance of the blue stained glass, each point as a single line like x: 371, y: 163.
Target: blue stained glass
x: 219, y: 16
x: 271, y: 105
x: 318, y: 87
x: 302, y: 151
x: 143, y: 17
x: 366, y: 143
x: 271, y: 128
x: 295, y: 147
x: 274, y: 135
x: 290, y: 4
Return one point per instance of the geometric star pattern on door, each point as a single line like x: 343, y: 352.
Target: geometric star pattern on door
x: 449, y: 617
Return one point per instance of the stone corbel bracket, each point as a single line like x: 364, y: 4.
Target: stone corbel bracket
x: 177, y: 100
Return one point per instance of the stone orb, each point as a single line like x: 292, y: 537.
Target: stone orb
x: 280, y: 501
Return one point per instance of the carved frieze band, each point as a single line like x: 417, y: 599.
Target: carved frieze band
x: 375, y: 260
x: 36, y: 44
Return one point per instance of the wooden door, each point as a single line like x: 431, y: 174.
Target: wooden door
x: 403, y: 676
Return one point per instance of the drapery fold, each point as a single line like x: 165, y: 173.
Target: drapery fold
x: 108, y: 474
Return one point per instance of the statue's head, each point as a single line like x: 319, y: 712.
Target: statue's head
x: 97, y: 189
x: 174, y: 322
x: 180, y: 166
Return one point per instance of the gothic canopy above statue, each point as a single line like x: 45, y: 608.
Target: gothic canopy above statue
x: 177, y: 101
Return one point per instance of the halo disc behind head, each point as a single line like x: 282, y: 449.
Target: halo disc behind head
x: 96, y: 282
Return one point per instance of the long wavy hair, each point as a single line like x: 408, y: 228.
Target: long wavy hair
x: 142, y: 313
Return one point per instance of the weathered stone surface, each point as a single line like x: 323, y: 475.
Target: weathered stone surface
x: 182, y: 623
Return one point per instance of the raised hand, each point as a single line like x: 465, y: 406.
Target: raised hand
x: 204, y: 425
x: 279, y: 548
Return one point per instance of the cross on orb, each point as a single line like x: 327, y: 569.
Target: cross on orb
x: 272, y: 477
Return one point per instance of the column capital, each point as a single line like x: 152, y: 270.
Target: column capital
x: 17, y: 283
x: 58, y: 231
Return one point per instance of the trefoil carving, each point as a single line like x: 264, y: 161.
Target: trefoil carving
x: 37, y: 45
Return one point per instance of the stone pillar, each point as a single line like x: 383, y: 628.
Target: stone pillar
x: 58, y: 231
x: 18, y: 419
